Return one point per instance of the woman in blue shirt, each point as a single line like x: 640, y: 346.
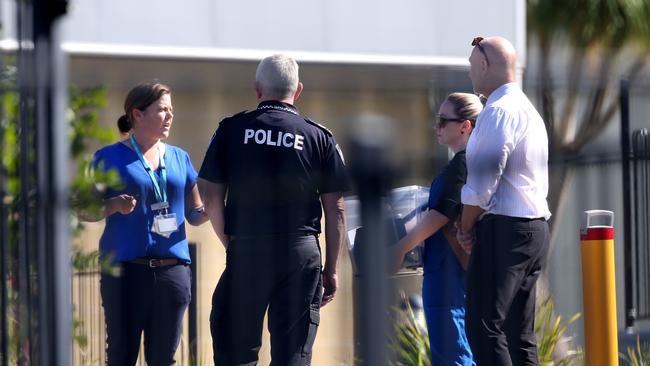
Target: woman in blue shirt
x: 443, y: 289
x: 145, y: 231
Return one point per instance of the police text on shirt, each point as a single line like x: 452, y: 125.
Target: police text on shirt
x: 277, y: 138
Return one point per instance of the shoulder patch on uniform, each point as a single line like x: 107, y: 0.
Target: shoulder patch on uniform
x: 227, y: 120
x: 325, y: 129
x: 234, y: 116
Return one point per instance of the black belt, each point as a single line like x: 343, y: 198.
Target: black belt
x: 512, y: 218
x: 155, y: 263
x: 271, y: 236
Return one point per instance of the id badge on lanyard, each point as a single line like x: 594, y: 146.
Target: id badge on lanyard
x: 164, y: 223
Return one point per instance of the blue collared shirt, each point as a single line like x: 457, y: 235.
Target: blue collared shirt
x: 127, y: 237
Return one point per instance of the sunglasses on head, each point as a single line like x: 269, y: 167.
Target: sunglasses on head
x: 477, y: 43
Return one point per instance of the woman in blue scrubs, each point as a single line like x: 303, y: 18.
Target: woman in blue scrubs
x: 443, y: 289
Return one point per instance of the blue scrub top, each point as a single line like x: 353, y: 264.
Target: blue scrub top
x: 448, y: 285
x: 443, y: 288
x: 127, y: 237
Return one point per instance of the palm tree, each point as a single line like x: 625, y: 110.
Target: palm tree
x: 599, y: 31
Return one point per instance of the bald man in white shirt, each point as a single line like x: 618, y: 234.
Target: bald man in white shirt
x: 505, y: 212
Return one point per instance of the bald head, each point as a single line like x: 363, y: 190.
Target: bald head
x: 493, y: 63
x: 501, y: 53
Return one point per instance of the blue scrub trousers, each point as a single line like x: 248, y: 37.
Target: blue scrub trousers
x: 445, y: 323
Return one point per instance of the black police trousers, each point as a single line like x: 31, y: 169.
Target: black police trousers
x: 149, y: 300
x: 281, y: 274
x: 506, y: 261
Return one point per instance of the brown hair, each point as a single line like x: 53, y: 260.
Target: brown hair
x: 466, y: 105
x: 140, y: 97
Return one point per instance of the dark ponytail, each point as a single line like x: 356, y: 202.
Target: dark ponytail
x: 124, y: 124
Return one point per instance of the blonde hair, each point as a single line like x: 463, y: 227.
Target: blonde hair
x: 466, y: 105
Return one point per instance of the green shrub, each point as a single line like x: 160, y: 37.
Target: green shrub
x: 550, y: 330
x: 410, y: 341
x: 638, y: 356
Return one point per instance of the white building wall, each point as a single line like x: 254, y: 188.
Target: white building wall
x: 409, y: 27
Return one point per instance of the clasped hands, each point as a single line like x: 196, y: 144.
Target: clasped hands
x: 466, y: 239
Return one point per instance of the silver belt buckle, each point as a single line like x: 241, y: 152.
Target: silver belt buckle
x: 152, y: 263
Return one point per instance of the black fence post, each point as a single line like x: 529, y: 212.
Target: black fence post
x: 192, y: 312
x: 371, y: 172
x: 4, y: 260
x: 640, y: 252
x: 624, y: 100
x: 44, y: 245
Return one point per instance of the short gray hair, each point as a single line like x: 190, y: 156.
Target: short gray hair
x: 277, y: 76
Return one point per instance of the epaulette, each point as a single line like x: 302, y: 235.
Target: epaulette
x: 327, y: 131
x: 234, y: 116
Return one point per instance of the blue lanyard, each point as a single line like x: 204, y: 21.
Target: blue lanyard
x: 159, y: 190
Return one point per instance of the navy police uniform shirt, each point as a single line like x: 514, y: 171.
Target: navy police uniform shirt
x: 275, y: 164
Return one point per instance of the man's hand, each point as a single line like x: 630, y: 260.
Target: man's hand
x: 465, y: 239
x: 124, y: 204
x: 330, y: 284
x: 334, y: 211
x: 466, y: 233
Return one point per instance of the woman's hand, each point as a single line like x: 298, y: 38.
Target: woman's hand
x: 195, y: 213
x: 396, y: 258
x: 124, y: 204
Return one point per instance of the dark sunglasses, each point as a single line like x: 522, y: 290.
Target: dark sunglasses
x: 442, y: 121
x: 477, y: 43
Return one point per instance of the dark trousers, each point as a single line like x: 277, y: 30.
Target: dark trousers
x: 506, y: 261
x: 282, y: 275
x: 149, y: 300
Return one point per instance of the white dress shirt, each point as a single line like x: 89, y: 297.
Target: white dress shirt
x: 507, y: 157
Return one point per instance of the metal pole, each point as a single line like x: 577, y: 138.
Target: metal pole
x: 371, y: 170
x: 599, y: 290
x: 24, y: 302
x: 52, y: 236
x: 4, y: 260
x: 192, y: 313
x: 624, y: 99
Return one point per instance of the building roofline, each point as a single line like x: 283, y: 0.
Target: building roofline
x: 235, y: 54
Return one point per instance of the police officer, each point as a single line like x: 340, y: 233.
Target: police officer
x: 276, y: 169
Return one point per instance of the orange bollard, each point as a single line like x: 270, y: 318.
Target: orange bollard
x: 599, y: 290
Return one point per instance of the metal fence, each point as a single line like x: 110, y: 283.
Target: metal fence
x: 89, y: 336
x: 88, y: 325
x: 640, y: 224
